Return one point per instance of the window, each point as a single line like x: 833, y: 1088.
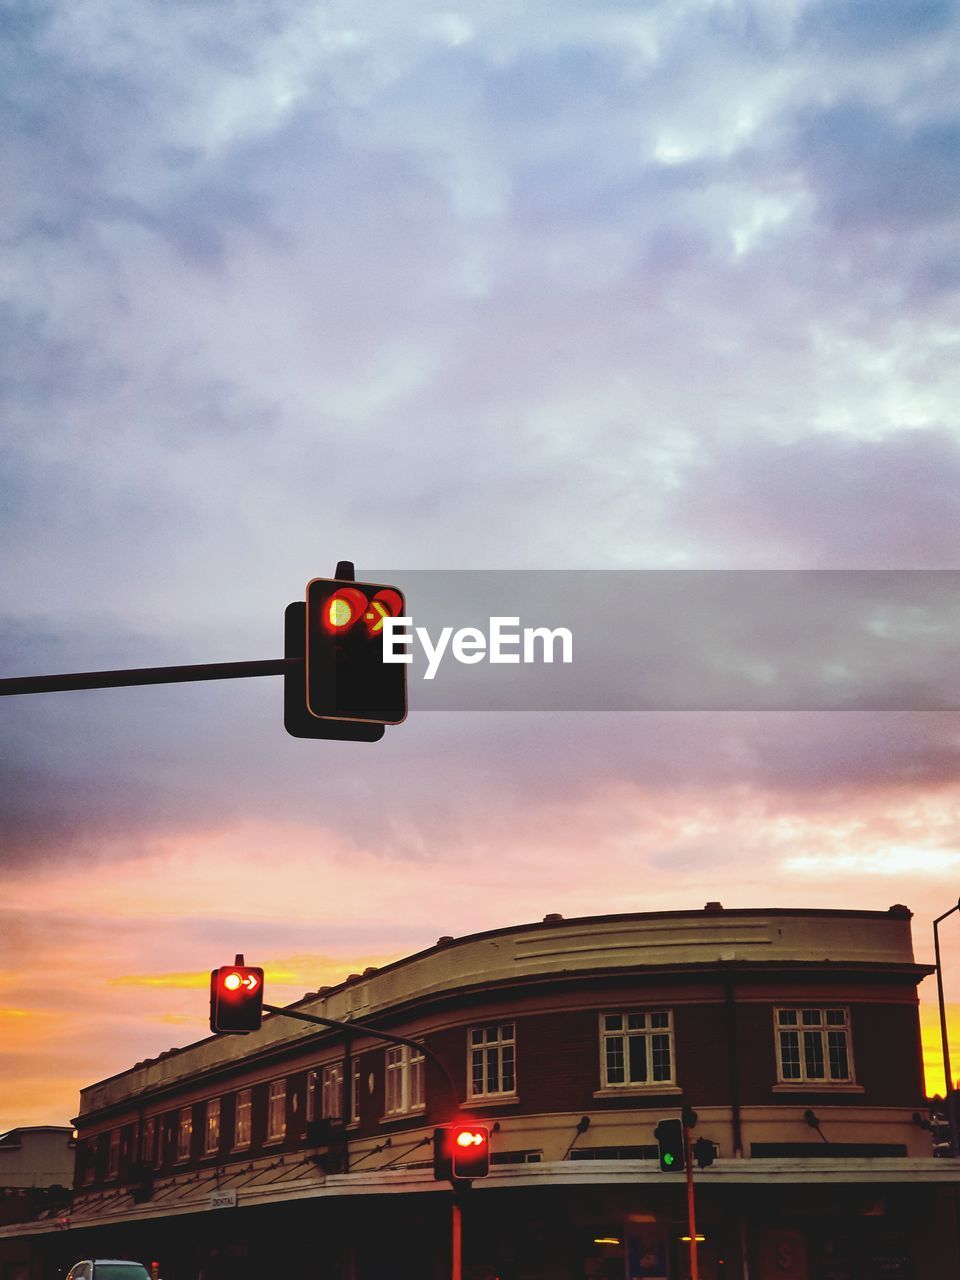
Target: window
x: 311, y: 1104
x: 184, y: 1133
x: 331, y: 1100
x: 148, y: 1140
x: 404, y: 1080
x: 91, y: 1148
x: 113, y: 1154
x: 355, y: 1092
x: 241, y: 1122
x: 636, y: 1049
x: 276, y: 1110
x: 493, y: 1060
x: 813, y: 1046
x: 211, y: 1132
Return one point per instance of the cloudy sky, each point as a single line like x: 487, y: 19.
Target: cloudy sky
x: 542, y: 286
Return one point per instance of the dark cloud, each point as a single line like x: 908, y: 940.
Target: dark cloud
x: 868, y: 171
x: 859, y: 27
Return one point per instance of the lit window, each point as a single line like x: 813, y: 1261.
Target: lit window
x: 637, y: 1049
x: 241, y: 1123
x: 493, y: 1062
x: 211, y: 1133
x: 276, y: 1110
x: 184, y: 1133
x: 331, y: 1099
x: 404, y: 1080
x: 813, y: 1046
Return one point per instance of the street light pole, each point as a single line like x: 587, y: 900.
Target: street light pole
x: 948, y: 1075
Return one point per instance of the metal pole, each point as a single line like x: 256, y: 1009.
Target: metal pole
x: 944, y: 1040
x: 691, y: 1208
x: 146, y: 675
x: 456, y: 1240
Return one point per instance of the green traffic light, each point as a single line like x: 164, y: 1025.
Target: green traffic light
x: 668, y: 1158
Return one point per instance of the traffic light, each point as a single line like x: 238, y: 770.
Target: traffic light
x: 704, y: 1152
x: 471, y: 1151
x: 669, y: 1136
x: 461, y: 1152
x: 347, y: 678
x: 236, y: 998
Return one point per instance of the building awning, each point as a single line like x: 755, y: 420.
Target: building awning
x: 278, y: 1181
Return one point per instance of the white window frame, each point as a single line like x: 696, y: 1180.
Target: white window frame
x: 243, y: 1109
x: 184, y: 1133
x: 643, y: 1030
x: 821, y: 1030
x: 211, y: 1127
x: 403, y: 1081
x: 331, y: 1092
x: 310, y: 1109
x: 499, y: 1039
x: 277, y: 1110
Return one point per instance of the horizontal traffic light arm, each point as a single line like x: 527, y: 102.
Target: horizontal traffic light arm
x: 147, y: 675
x: 378, y: 1035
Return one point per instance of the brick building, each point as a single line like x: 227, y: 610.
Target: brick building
x: 301, y: 1151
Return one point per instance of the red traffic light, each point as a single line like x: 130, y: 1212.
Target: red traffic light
x: 236, y: 998
x: 347, y: 678
x: 461, y: 1151
x: 342, y: 610
x: 471, y: 1151
x: 470, y: 1138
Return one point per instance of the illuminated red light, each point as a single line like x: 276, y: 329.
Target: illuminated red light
x: 385, y: 604
x: 343, y: 609
x: 232, y: 981
x: 467, y: 1138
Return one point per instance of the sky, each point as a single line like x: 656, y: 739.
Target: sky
x: 555, y: 285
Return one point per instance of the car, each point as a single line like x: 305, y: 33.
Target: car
x: 108, y: 1269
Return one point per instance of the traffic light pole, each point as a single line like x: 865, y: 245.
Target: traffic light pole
x: 691, y: 1206
x: 146, y: 675
x: 456, y: 1239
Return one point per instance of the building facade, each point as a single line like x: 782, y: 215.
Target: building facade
x: 36, y: 1171
x: 306, y: 1151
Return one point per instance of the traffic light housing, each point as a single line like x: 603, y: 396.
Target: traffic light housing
x: 704, y: 1153
x: 461, y: 1152
x: 347, y: 679
x: 669, y: 1136
x: 236, y: 998
x: 297, y: 720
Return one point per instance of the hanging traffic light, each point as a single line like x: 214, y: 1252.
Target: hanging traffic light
x: 236, y: 998
x: 461, y: 1151
x: 669, y: 1136
x: 347, y: 679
